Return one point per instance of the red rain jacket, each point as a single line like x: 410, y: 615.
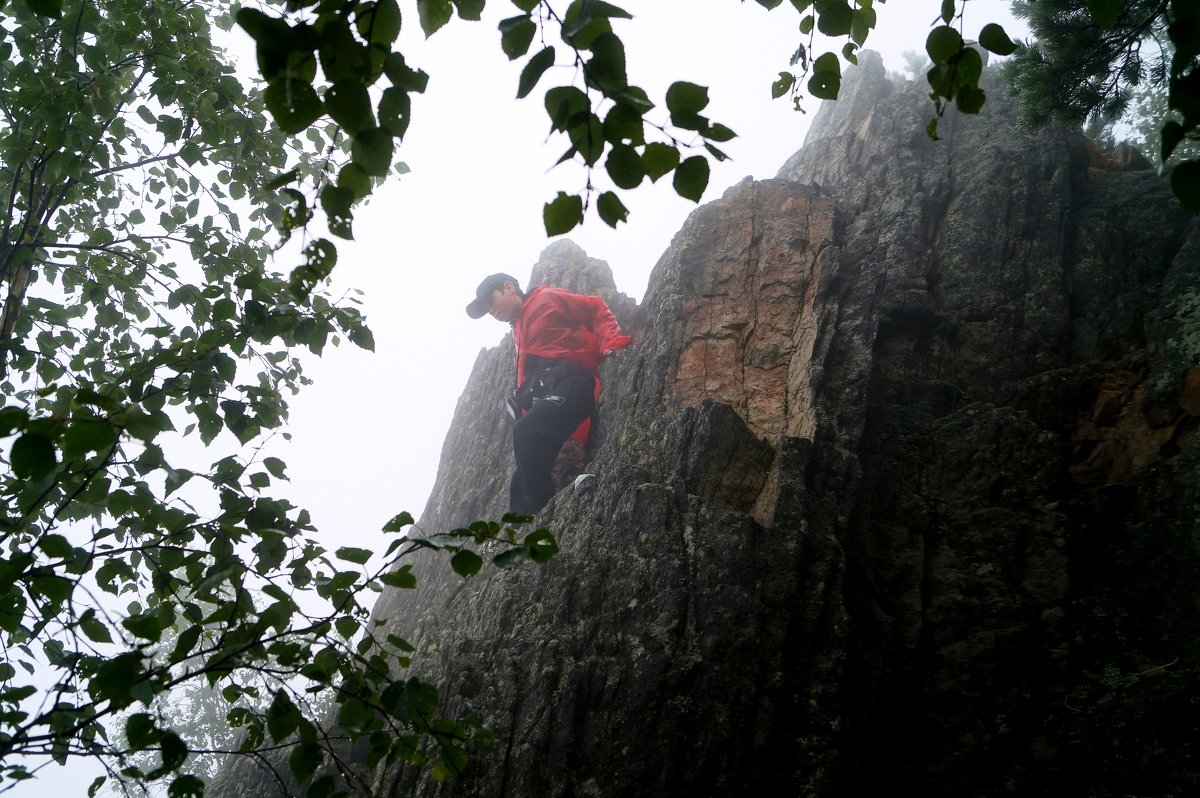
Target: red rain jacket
x: 577, y: 328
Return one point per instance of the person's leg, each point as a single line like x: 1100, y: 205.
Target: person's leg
x: 537, y: 438
x: 517, y: 501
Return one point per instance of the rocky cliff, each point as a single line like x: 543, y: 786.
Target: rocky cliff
x: 896, y: 492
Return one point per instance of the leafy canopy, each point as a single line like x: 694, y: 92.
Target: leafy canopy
x: 147, y: 352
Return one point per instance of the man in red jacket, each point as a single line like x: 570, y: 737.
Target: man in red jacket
x: 560, y: 339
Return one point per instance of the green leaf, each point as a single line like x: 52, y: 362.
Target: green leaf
x: 624, y: 166
x: 372, y: 150
x: 46, y: 8
x: 186, y: 641
x: 282, y: 716
x: 1184, y: 33
x: 33, y: 456
x: 566, y: 105
x: 469, y: 9
x: 970, y: 99
x: 466, y: 563
x: 587, y: 137
x: 87, y: 435
x: 1105, y: 12
x: 402, y: 578
x: 769, y: 4
x: 516, y: 34
x: 268, y: 31
x: 379, y: 22
x: 186, y: 786
x: 993, y: 38
x: 336, y: 202
x: 834, y: 17
x: 287, y: 178
x: 349, y: 104
x: 322, y: 786
x: 400, y: 643
x: 17, y: 694
x: 404, y: 77
x: 143, y: 425
x: 55, y: 546
x: 347, y: 627
x: 95, y: 629
x: 293, y: 104
x: 611, y: 209
x: 433, y: 15
x: 174, y: 752
x: 691, y: 178
x: 931, y: 129
x: 11, y: 420
x: 581, y: 25
x: 362, y: 337
x: 533, y: 71
x: 562, y: 214
x: 176, y: 478
x: 351, y: 554
x: 1172, y: 134
x: 941, y: 80
x: 1185, y: 185
x: 969, y: 64
x: 542, y: 545
x: 398, y: 522
x: 275, y: 466
x: 863, y: 24
x: 806, y: 25
x: 526, y: 5
x: 146, y: 626
x: 320, y: 256
x: 624, y: 123
x: 826, y: 79
x: 606, y: 68
x: 140, y: 731
x: 783, y: 85
x: 1184, y: 95
x: 659, y: 159
x: 948, y: 7
x: 686, y: 99
x: 55, y: 588
x: 943, y: 43
x: 634, y: 96
x: 599, y: 8
x: 511, y: 558
x: 354, y: 178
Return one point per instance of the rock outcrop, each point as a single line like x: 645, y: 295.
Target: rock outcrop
x: 897, y: 492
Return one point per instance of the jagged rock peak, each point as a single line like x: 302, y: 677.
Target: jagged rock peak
x: 564, y: 264
x: 863, y: 86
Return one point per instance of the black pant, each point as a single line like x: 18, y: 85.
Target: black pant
x: 563, y: 396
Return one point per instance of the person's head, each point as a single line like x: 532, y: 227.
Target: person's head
x: 498, y: 295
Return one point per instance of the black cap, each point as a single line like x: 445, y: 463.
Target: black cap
x: 483, y: 294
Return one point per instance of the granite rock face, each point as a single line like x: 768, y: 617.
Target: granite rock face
x: 896, y: 492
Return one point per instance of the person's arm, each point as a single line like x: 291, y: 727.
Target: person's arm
x: 604, y: 324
